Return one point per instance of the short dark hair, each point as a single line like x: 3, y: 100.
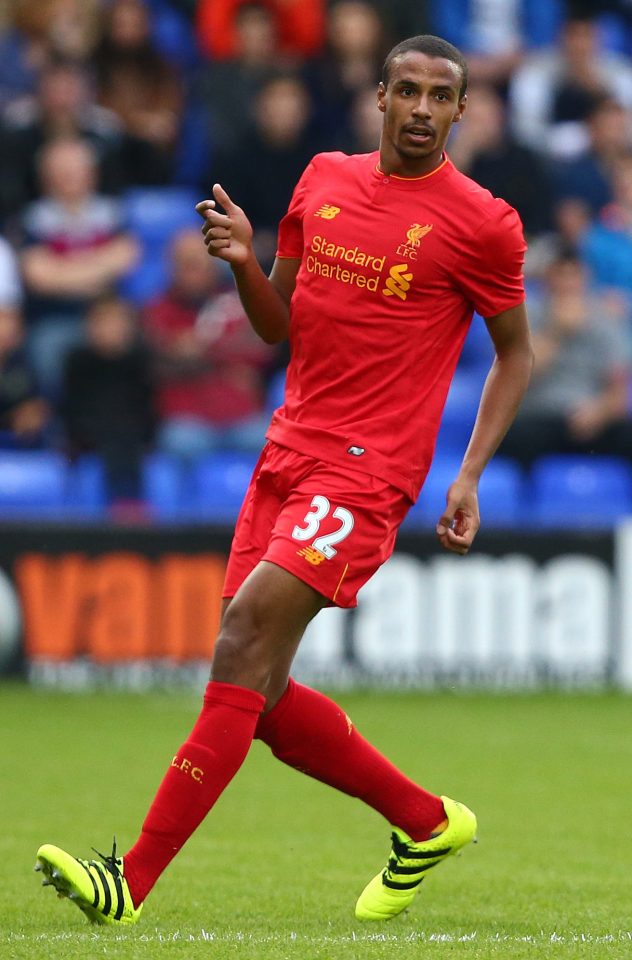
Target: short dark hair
x: 432, y: 47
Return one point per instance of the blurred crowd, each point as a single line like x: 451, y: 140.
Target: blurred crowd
x: 119, y: 335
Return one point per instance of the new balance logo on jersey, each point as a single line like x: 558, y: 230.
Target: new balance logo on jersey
x: 398, y: 281
x: 328, y: 211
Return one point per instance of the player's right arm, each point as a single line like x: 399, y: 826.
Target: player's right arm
x: 228, y: 236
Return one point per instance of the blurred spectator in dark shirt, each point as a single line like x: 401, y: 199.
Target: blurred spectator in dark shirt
x: 405, y: 18
x: 107, y: 405
x: 615, y: 20
x: 589, y: 175
x: 23, y: 413
x: 299, y: 25
x: 262, y: 174
x: 63, y: 107
x: 228, y: 88
x: 210, y: 364
x: 484, y: 149
x: 143, y: 88
x: 571, y: 221
x: 365, y: 124
x: 75, y: 249
x: 352, y: 60
x: 553, y: 92
x: 577, y: 398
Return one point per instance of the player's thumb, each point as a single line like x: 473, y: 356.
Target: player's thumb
x: 222, y: 197
x: 447, y: 518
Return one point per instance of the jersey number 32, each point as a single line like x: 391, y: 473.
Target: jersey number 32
x: 320, y: 508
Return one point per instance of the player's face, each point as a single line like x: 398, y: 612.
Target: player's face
x: 420, y: 104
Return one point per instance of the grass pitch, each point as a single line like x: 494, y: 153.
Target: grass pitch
x: 275, y: 870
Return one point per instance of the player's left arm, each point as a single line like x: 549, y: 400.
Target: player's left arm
x: 504, y: 389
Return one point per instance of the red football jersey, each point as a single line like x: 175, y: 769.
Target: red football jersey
x: 391, y: 272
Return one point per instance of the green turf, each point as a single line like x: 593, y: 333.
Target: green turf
x: 275, y: 870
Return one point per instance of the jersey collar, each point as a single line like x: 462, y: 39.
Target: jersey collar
x: 413, y: 183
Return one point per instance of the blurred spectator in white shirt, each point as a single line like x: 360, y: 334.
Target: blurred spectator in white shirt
x: 75, y: 250
x: 552, y: 93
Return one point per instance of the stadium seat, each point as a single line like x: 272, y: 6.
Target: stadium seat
x: 87, y: 495
x: 219, y: 482
x: 584, y: 491
x: 173, y: 33
x: 276, y: 391
x: 148, y: 279
x: 164, y: 486
x: 8, y: 440
x: 194, y: 150
x: 32, y: 484
x: 500, y: 494
x: 478, y: 350
x: 154, y: 216
x: 459, y: 412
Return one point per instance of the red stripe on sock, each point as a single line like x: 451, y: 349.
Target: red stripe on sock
x: 201, y: 769
x: 310, y: 732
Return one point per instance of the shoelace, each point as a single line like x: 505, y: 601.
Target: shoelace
x: 110, y: 862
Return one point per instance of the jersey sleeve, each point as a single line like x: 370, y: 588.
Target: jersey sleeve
x: 290, y: 242
x: 490, y: 271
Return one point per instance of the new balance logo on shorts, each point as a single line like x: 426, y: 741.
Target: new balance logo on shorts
x: 313, y: 556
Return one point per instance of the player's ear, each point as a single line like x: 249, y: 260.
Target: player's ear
x: 461, y: 108
x: 381, y: 97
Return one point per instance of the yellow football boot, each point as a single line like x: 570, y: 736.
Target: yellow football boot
x: 98, y: 888
x: 394, y: 889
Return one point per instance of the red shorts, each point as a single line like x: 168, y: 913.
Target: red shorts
x: 330, y: 526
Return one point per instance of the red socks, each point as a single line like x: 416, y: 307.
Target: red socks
x: 310, y: 732
x: 307, y: 731
x: 201, y: 769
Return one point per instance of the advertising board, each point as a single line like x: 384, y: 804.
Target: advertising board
x: 137, y: 607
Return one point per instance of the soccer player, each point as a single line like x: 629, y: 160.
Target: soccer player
x: 382, y: 259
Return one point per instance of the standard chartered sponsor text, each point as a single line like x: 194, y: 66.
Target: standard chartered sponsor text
x: 337, y: 271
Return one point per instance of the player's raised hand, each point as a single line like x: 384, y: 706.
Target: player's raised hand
x: 226, y: 235
x: 460, y: 521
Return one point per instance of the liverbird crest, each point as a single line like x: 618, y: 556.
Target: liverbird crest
x: 416, y: 233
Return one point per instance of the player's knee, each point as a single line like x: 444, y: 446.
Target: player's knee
x: 242, y: 653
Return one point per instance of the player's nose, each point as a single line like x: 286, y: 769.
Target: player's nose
x: 421, y: 107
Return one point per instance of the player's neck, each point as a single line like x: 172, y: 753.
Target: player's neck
x: 393, y: 163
